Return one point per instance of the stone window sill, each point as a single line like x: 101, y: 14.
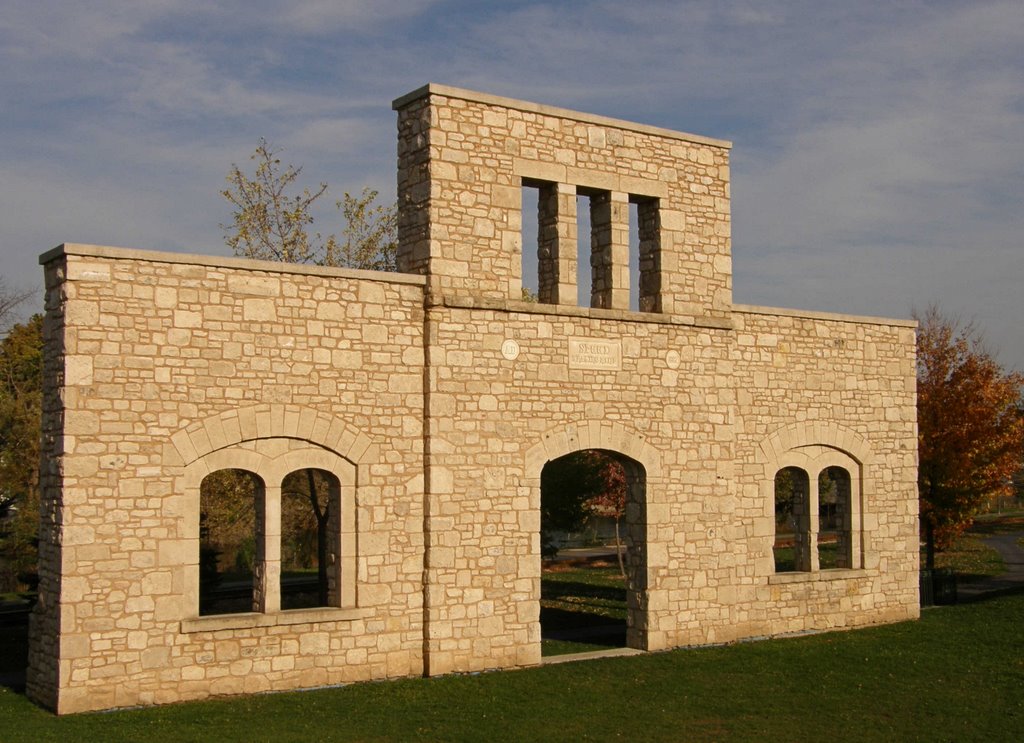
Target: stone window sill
x: 250, y: 620
x: 819, y: 576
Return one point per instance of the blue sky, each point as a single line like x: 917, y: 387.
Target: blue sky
x: 878, y: 160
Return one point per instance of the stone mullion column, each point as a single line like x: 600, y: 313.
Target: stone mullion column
x: 856, y: 533
x: 649, y: 228
x: 267, y: 589
x: 813, y: 524
x: 609, y: 250
x: 556, y: 244
x: 848, y: 548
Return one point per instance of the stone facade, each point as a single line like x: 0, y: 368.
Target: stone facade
x: 435, y: 397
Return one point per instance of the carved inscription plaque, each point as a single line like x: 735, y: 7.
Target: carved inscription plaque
x: 594, y: 354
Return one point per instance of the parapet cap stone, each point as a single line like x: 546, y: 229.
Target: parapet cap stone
x: 564, y: 113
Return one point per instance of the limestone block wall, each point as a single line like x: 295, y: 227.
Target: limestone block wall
x: 465, y: 156
x: 709, y: 412
x: 815, y: 388
x: 164, y: 367
x: 435, y: 398
x: 683, y: 383
x: 495, y: 422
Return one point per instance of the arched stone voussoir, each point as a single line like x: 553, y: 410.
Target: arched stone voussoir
x: 795, y: 435
x: 274, y: 420
x: 561, y: 440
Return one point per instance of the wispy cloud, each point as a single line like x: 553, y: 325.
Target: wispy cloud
x: 877, y: 161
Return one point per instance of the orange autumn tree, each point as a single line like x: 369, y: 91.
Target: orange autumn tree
x: 970, y: 428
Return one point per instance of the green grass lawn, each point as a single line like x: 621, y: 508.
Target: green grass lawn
x: 957, y: 674
x: 998, y: 523
x: 582, y: 609
x: 969, y: 557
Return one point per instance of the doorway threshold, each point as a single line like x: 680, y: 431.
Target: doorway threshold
x: 590, y: 655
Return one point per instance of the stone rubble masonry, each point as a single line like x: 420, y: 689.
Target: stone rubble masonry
x: 437, y: 396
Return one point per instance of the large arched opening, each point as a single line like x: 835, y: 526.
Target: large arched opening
x: 593, y: 539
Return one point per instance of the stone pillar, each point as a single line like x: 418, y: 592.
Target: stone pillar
x: 649, y: 224
x: 44, y: 674
x: 810, y: 522
x: 414, y: 246
x: 609, y: 250
x: 267, y: 589
x: 636, y: 538
x: 556, y: 244
x: 855, y: 528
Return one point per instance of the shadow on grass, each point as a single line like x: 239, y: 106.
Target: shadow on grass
x: 13, y: 651
x: 558, y: 590
x: 564, y: 632
x: 560, y: 622
x: 578, y: 616
x: 995, y: 593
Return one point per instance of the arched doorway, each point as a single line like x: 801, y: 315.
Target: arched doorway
x: 593, y: 549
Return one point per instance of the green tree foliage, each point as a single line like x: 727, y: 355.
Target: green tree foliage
x: 369, y: 236
x: 565, y: 484
x: 20, y: 406
x: 970, y: 428
x: 273, y: 221
x: 580, y: 485
x: 9, y: 302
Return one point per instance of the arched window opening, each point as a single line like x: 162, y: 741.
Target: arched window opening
x: 792, y: 521
x: 592, y: 545
x: 310, y: 539
x: 230, y: 502
x: 834, y: 518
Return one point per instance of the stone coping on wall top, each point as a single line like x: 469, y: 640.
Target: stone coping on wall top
x: 817, y: 315
x: 565, y: 310
x: 562, y: 113
x: 244, y: 264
